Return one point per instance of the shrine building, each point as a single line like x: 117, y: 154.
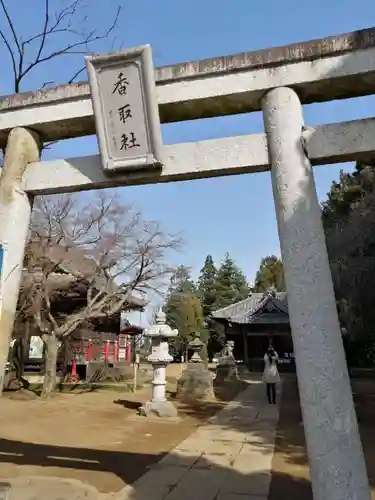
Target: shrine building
x: 253, y: 324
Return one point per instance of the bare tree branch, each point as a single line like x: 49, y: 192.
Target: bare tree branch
x: 9, y: 48
x: 76, y: 74
x: 43, y: 46
x: 100, y: 250
x: 11, y: 26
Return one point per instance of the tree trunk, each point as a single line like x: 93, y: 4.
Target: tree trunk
x: 50, y: 366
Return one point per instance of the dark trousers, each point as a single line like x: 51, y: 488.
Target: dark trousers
x: 271, y: 393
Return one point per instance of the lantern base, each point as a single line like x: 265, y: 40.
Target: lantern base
x: 196, y: 384
x: 160, y: 409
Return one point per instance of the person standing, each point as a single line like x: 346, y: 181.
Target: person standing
x: 271, y: 374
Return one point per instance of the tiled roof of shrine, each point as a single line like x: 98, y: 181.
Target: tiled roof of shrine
x: 258, y: 308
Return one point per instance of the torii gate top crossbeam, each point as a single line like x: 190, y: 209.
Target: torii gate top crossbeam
x: 335, y: 67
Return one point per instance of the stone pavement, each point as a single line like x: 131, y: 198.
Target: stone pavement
x: 227, y: 458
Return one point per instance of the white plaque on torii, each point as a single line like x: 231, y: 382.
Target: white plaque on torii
x: 123, y: 94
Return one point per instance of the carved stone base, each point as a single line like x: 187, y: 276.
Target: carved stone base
x: 163, y: 409
x: 196, y: 383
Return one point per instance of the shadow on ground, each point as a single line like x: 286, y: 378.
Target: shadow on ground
x: 223, y: 394
x: 206, y: 478
x: 173, y: 479
x: 289, y: 477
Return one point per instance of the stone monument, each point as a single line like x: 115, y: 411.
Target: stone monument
x: 159, y: 358
x: 226, y: 370
x: 196, y: 382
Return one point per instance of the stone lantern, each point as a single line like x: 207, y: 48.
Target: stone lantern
x: 195, y: 346
x: 159, y: 333
x: 196, y: 382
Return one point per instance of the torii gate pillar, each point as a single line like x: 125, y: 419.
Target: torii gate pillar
x: 334, y: 447
x: 23, y: 146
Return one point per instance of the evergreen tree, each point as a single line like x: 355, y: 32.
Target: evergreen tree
x: 207, y: 336
x: 181, y: 281
x: 180, y: 285
x: 345, y: 194
x: 206, y: 285
x: 349, y: 223
x: 270, y: 275
x: 207, y: 290
x: 183, y: 309
x: 190, y: 318
x: 231, y: 285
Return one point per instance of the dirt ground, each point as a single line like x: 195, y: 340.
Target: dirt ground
x: 290, y: 474
x: 94, y: 437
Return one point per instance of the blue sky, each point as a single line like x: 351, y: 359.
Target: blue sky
x: 231, y: 214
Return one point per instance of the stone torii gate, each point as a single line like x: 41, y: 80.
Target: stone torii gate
x: 277, y: 81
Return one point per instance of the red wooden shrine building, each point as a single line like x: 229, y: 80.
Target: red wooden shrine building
x: 108, y: 340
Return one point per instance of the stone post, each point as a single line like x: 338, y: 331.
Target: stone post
x: 334, y: 448
x: 159, y: 358
x: 22, y: 148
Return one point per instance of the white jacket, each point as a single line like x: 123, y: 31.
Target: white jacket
x: 271, y: 373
